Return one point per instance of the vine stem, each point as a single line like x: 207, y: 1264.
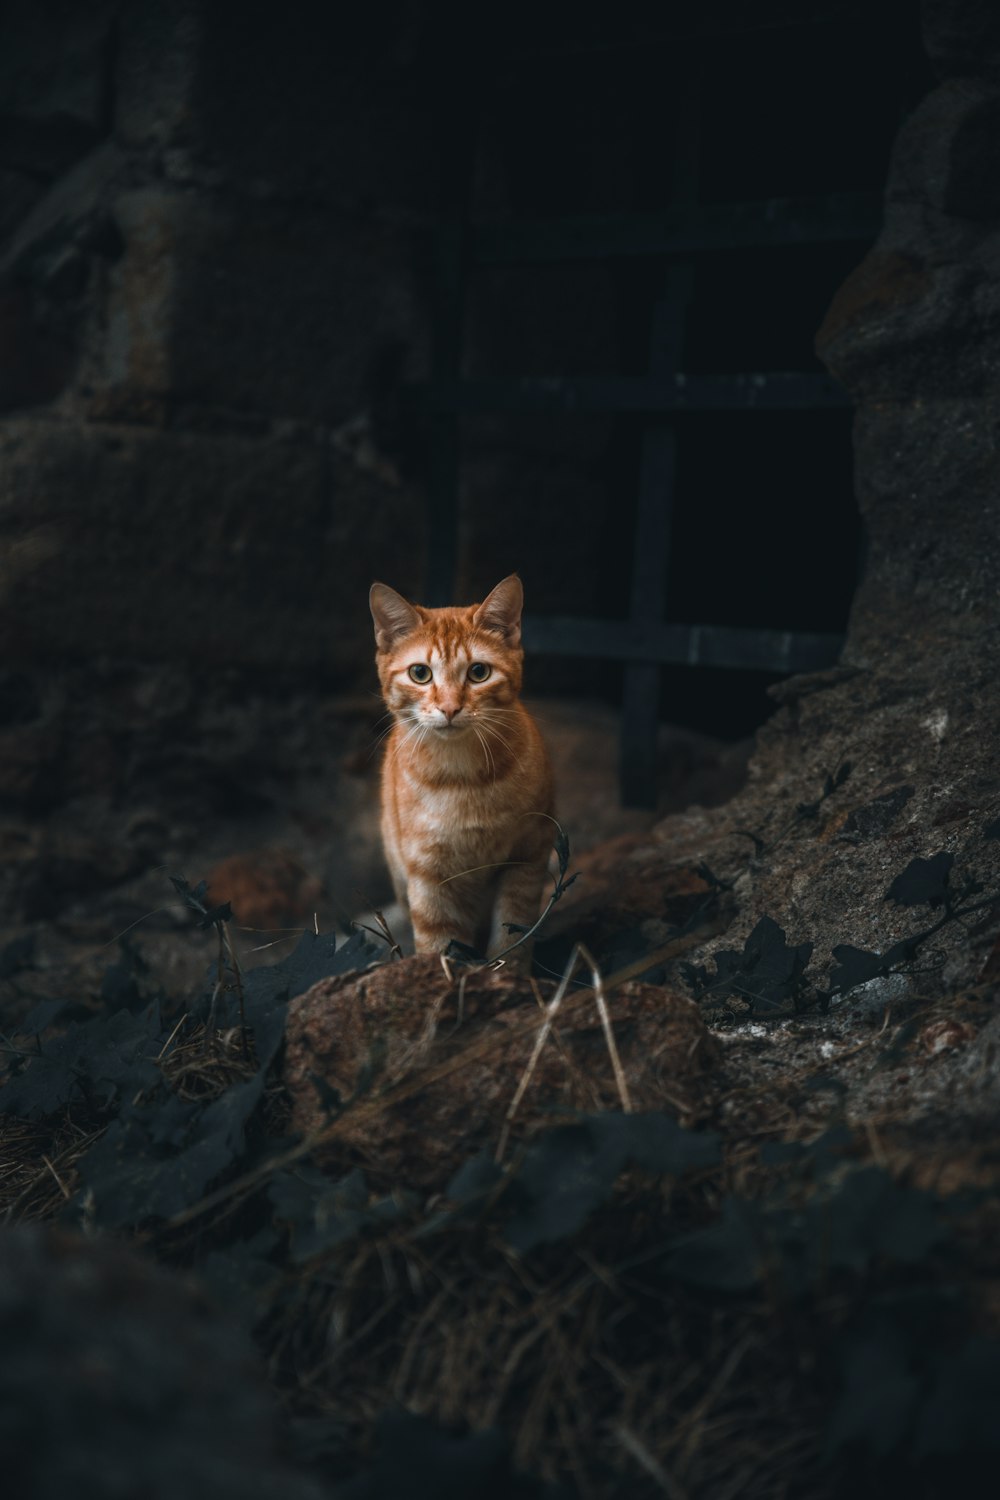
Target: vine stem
x: 551, y: 1011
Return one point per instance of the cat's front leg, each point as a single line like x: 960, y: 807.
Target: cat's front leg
x: 439, y: 914
x: 518, y: 901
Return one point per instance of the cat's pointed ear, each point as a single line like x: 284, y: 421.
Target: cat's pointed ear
x: 393, y: 615
x: 501, y: 610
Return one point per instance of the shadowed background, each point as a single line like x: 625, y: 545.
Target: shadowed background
x: 218, y: 297
x: 221, y: 231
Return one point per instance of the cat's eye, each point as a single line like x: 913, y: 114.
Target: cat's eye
x: 479, y: 671
x: 421, y: 672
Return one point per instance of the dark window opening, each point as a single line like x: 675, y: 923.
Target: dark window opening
x: 609, y: 119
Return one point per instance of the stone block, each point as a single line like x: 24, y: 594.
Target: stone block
x: 920, y: 316
x: 961, y: 36
x: 158, y: 49
x: 201, y: 547
x: 928, y: 485
x: 265, y: 312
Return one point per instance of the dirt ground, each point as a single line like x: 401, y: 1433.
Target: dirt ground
x: 275, y: 803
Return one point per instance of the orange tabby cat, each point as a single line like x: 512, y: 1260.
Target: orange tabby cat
x: 466, y: 782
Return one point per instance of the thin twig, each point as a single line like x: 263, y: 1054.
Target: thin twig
x: 383, y: 931
x: 371, y: 1105
x: 609, y: 1036
x: 170, y: 1038
x: 62, y: 1186
x: 550, y: 1014
x: 238, y: 975
x: 634, y: 1445
x: 559, y: 888
x: 496, y: 865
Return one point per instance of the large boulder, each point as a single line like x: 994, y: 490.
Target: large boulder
x: 464, y: 1038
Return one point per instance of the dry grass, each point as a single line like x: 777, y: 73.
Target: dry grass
x: 38, y: 1165
x: 586, y: 1355
x: 205, y: 1064
x: 606, y: 1373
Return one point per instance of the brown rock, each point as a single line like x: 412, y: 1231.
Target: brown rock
x: 472, y: 1034
x: 882, y: 283
x: 119, y: 535
x: 944, y: 1034
x: 627, y: 883
x: 267, y: 888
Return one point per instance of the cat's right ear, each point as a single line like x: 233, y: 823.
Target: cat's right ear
x: 393, y: 616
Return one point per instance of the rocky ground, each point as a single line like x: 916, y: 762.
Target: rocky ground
x: 759, y: 1256
x: 114, y: 781
x: 275, y: 804
x: 786, y: 1043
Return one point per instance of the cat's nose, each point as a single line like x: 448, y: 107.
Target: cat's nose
x: 451, y: 713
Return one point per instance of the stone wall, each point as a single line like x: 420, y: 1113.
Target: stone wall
x: 215, y: 274
x: 207, y: 270
x: 911, y: 717
x: 914, y: 334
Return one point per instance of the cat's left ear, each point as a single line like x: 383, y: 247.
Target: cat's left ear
x: 393, y: 615
x: 501, y: 610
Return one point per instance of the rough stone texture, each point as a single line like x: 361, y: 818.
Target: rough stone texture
x: 962, y: 36
x: 113, y: 775
x: 155, y: 75
x: 915, y: 336
x: 241, y: 316
x: 155, y: 512
x: 918, y: 1080
x: 116, y: 1380
x: 404, y: 1015
x: 923, y: 779
x: 267, y: 889
x: 128, y: 541
x: 236, y: 325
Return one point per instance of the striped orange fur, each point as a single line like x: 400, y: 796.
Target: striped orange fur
x: 466, y: 782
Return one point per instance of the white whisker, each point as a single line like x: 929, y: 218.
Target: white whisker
x: 494, y: 731
x: 419, y: 734
x: 491, y: 763
x: 409, y: 730
x: 381, y: 739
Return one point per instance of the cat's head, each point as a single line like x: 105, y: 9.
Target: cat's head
x: 448, y: 669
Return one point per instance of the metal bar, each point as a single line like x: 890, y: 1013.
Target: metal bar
x: 654, y: 513
x: 444, y: 434
x: 761, y: 650
x: 641, y: 688
x: 773, y: 391
x: 710, y: 28
x: 640, y: 722
x: 683, y: 230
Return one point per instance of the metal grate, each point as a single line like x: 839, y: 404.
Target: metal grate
x: 681, y: 234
